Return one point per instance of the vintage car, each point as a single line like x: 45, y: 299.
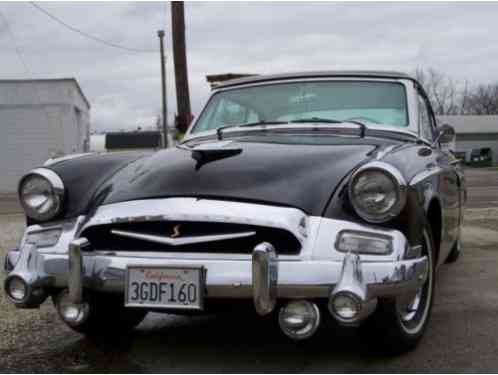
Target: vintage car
x: 310, y: 197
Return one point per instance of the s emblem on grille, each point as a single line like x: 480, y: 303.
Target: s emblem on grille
x: 176, y: 231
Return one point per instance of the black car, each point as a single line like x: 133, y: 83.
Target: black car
x: 309, y: 196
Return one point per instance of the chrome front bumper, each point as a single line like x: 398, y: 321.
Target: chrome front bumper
x: 320, y: 271
x: 250, y: 278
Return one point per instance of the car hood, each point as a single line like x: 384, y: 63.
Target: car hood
x: 300, y: 176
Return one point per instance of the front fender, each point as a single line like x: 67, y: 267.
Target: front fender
x: 83, y: 176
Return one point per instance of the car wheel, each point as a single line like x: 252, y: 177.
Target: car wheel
x: 398, y: 324
x: 108, y: 317
x: 455, y: 253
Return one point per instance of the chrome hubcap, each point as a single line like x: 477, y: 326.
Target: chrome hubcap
x: 413, y: 309
x: 408, y: 312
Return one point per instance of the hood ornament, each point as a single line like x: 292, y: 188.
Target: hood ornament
x: 176, y: 231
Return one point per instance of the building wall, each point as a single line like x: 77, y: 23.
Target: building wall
x: 39, y: 120
x: 26, y: 140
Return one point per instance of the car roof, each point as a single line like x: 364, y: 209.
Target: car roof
x: 316, y: 74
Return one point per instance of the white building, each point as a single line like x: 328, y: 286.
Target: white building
x: 474, y: 132
x: 39, y: 119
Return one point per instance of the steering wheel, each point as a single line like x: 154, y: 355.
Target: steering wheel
x: 359, y: 118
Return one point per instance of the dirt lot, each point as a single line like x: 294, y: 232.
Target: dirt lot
x: 461, y: 336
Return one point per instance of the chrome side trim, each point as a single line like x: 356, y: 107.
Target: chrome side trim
x: 181, y: 240
x: 380, y: 155
x: 53, y: 161
x: 419, y: 177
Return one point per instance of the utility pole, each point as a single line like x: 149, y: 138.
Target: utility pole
x: 160, y: 34
x: 180, y: 59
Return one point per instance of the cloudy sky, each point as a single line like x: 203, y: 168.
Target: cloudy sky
x: 123, y: 87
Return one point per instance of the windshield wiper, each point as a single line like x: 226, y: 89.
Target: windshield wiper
x: 316, y: 119
x: 363, y: 126
x: 219, y: 131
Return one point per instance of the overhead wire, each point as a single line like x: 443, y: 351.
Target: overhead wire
x: 87, y: 35
x: 14, y: 42
x: 26, y: 66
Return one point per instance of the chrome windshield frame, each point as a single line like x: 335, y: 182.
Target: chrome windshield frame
x: 411, y: 98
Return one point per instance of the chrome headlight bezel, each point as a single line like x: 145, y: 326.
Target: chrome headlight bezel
x: 398, y: 184
x: 54, y: 190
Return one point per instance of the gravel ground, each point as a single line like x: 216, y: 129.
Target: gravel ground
x: 24, y: 332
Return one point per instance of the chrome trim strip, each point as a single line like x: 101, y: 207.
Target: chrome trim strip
x: 310, y: 79
x: 182, y: 240
x: 380, y: 155
x: 53, y: 161
x: 419, y: 177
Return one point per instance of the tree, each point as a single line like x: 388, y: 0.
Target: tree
x: 441, y: 90
x: 451, y: 97
x: 483, y: 100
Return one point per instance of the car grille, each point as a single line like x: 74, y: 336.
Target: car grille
x: 101, y: 238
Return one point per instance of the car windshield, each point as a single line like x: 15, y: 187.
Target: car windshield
x: 377, y: 102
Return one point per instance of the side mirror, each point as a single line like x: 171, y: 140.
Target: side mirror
x: 446, y: 134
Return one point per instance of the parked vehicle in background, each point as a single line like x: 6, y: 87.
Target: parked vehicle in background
x: 310, y: 196
x: 481, y: 157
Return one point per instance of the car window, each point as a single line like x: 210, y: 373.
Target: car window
x: 228, y: 112
x: 425, y: 120
x: 377, y: 102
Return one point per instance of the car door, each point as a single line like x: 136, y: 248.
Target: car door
x: 449, y: 179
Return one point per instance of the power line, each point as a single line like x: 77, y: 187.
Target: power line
x: 14, y: 42
x: 85, y: 34
x: 24, y: 63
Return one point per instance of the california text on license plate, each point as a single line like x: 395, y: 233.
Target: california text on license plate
x: 165, y: 287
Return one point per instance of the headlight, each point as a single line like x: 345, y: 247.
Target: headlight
x: 41, y: 193
x: 377, y: 192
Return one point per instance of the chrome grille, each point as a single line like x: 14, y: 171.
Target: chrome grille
x: 102, y: 238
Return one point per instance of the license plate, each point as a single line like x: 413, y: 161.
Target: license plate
x: 165, y: 287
